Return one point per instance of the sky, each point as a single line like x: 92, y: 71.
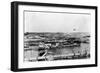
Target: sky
x: 56, y: 22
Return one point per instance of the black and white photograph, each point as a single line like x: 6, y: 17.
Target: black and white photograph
x: 52, y: 36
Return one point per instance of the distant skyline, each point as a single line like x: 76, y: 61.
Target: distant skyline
x: 56, y: 22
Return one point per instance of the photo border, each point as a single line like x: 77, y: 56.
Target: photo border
x: 14, y: 35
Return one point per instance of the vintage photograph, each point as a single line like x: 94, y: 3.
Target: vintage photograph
x: 51, y: 36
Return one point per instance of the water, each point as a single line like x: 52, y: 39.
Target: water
x: 82, y: 49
